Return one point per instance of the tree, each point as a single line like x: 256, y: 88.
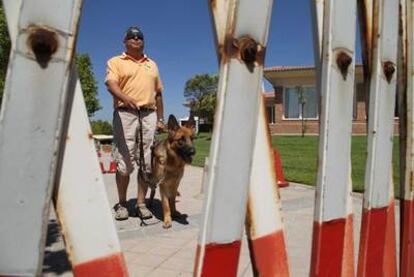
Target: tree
x: 83, y: 63
x: 101, y: 127
x: 201, y: 94
x: 302, y: 102
x: 4, y: 49
x: 88, y: 83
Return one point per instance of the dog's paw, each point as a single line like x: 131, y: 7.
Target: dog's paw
x: 166, y: 224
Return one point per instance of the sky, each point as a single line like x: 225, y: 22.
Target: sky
x: 179, y: 37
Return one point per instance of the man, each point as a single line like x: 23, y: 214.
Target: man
x: 134, y: 82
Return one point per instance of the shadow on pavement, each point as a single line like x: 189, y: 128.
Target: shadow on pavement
x: 156, y: 209
x: 55, y: 261
x: 53, y: 232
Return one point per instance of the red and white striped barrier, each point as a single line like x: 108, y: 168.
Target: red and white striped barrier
x: 82, y: 204
x: 101, y: 164
x: 43, y: 35
x: 332, y: 246
x: 102, y: 167
x: 229, y: 164
x: 264, y: 226
x: 377, y: 253
x: 407, y: 236
x: 407, y: 192
x: 112, y: 166
x: 241, y: 173
x: 106, y: 163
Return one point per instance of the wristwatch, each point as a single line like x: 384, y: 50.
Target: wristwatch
x: 161, y: 120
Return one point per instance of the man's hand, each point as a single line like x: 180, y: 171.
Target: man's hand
x: 115, y: 90
x: 160, y: 126
x: 128, y: 101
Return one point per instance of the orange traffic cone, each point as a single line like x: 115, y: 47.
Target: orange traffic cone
x: 281, y: 182
x: 112, y: 167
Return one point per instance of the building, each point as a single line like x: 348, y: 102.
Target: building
x: 183, y: 120
x: 283, y: 105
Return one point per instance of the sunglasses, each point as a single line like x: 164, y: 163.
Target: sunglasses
x: 135, y: 37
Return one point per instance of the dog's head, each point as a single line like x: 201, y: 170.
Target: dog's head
x: 181, y: 138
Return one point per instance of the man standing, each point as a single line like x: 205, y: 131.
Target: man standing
x: 134, y: 82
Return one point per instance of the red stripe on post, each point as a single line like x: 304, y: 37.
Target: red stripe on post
x: 219, y: 259
x: 377, y: 252
x: 407, y: 238
x: 332, y: 248
x: 269, y: 255
x: 113, y: 265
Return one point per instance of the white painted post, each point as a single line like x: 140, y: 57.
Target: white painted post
x: 407, y: 192
x: 32, y: 125
x: 377, y: 240
x: 232, y: 148
x: 82, y: 205
x: 333, y: 212
x: 264, y: 225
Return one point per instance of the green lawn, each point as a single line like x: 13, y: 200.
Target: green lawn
x: 299, y: 158
x: 202, y: 145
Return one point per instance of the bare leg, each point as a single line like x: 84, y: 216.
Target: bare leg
x: 122, y: 185
x: 142, y: 209
x: 142, y: 191
x: 121, y: 212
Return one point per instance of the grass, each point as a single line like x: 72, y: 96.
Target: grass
x: 202, y: 145
x: 299, y: 158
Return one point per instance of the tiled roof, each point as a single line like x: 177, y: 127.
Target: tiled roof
x: 268, y: 94
x: 289, y: 68
x: 293, y: 68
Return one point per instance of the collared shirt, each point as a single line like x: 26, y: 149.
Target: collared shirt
x: 139, y: 79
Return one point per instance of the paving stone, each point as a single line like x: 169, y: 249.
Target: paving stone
x: 139, y: 270
x: 150, y: 260
x: 180, y: 264
x: 154, y: 251
x: 161, y: 272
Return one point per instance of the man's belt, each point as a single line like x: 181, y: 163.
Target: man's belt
x: 142, y: 109
x: 146, y: 109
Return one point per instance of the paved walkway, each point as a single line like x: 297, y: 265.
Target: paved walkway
x: 154, y: 251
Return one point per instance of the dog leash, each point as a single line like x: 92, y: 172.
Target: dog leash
x: 149, y: 222
x: 155, y: 182
x: 141, y: 171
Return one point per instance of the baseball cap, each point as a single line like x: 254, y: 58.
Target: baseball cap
x: 134, y: 32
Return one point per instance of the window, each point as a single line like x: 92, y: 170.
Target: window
x: 359, y: 99
x: 292, y: 98
x: 270, y: 110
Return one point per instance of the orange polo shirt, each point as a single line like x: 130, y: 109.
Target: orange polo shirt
x: 139, y: 79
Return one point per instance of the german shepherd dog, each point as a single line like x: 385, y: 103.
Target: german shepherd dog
x: 168, y: 161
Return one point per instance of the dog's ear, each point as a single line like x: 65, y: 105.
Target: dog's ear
x: 173, y: 123
x: 191, y: 122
